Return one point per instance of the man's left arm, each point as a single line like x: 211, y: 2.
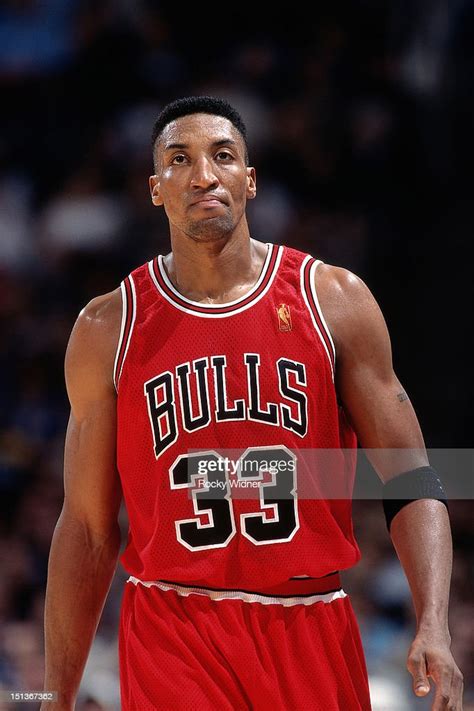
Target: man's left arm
x: 388, y: 430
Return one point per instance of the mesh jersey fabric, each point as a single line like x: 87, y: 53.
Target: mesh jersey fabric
x: 253, y: 379
x: 249, y: 381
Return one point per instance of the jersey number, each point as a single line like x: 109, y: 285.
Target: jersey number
x: 205, y: 475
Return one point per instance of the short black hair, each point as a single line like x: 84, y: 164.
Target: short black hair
x: 199, y: 105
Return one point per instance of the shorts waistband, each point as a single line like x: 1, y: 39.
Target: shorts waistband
x: 291, y: 592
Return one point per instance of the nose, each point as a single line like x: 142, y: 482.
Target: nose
x: 203, y: 175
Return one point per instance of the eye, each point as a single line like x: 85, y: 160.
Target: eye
x: 178, y: 159
x: 224, y: 155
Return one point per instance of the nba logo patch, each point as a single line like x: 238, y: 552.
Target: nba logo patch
x: 284, y: 317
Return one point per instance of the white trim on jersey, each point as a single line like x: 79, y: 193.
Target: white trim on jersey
x: 318, y: 306
x: 305, y: 297
x: 240, y: 595
x: 254, y: 288
x: 217, y: 306
x: 122, y: 329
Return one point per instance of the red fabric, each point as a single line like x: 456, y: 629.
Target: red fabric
x: 164, y: 337
x: 197, y: 654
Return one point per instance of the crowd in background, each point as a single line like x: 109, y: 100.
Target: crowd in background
x: 360, y: 124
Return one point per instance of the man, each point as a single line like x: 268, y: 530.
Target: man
x: 225, y: 345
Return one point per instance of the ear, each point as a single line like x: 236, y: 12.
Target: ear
x: 251, y: 184
x: 154, y: 184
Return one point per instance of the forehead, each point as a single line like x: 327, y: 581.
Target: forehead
x: 199, y: 129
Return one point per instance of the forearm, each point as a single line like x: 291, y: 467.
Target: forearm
x: 421, y: 535
x: 81, y: 568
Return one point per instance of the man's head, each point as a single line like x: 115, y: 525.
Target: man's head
x: 199, y: 105
x: 202, y: 177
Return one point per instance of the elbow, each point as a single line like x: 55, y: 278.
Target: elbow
x: 95, y: 534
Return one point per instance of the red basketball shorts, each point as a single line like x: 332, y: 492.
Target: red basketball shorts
x: 189, y: 649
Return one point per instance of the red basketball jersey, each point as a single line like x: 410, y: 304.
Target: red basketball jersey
x: 229, y: 432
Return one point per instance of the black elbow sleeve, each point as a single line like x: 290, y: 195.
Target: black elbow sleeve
x: 420, y: 483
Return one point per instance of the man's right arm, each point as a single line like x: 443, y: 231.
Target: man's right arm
x: 86, y: 540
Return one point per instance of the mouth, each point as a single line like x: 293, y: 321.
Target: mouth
x: 207, y: 202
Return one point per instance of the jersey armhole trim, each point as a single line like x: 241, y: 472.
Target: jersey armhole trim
x: 308, y: 289
x: 129, y: 312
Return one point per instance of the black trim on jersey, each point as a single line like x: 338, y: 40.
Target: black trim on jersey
x: 268, y: 272
x: 334, y: 572
x: 248, y: 592
x: 308, y: 288
x: 128, y: 315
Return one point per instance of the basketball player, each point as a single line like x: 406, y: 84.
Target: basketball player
x: 229, y: 344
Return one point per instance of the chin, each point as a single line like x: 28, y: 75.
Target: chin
x: 210, y: 230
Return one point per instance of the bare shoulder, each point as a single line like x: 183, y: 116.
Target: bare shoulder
x: 103, y: 314
x: 349, y: 308
x: 93, y: 342
x: 336, y: 284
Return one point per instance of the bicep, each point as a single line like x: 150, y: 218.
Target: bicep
x: 91, y: 482
x: 92, y: 491
x: 373, y: 398
x: 384, y: 421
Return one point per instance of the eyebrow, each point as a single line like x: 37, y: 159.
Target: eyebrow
x: 214, y: 144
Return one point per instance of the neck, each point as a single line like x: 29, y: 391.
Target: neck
x: 215, y: 272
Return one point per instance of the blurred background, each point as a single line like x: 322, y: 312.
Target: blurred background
x: 360, y: 117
